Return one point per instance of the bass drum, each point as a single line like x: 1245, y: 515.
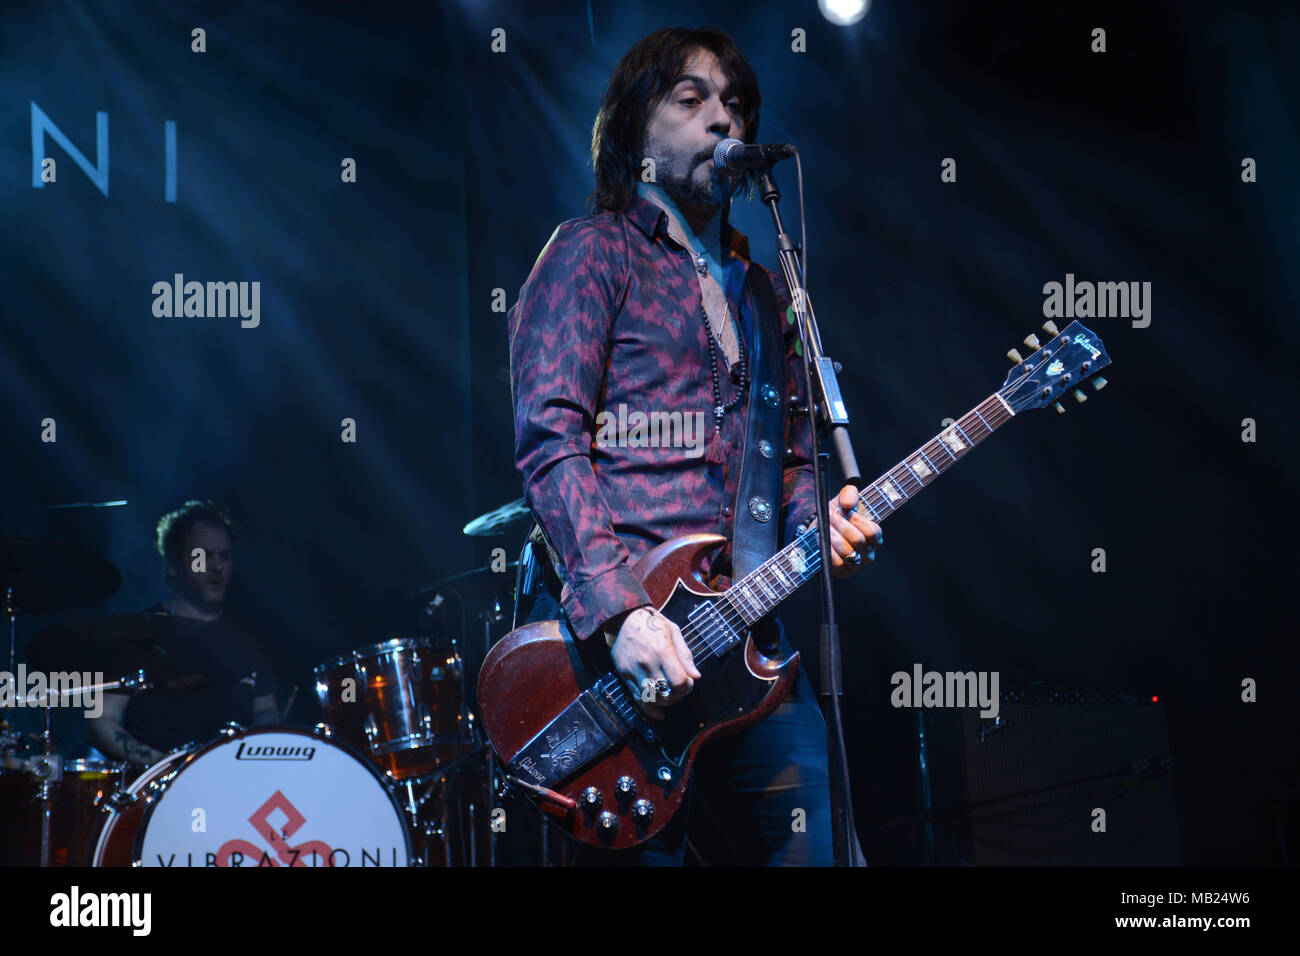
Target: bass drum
x: 265, y: 797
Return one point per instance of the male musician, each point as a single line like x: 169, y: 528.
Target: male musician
x: 638, y: 305
x: 205, y: 670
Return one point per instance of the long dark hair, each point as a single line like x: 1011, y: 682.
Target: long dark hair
x: 643, y: 77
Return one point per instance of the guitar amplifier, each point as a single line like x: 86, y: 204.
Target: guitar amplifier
x: 1025, y: 788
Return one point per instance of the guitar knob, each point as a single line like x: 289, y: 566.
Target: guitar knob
x: 1014, y: 355
x: 1098, y: 383
x: 1060, y: 409
x: 607, y: 822
x: 1031, y: 340
x: 643, y: 811
x: 591, y: 799
x: 1050, y: 327
x: 1079, y: 396
x: 626, y: 787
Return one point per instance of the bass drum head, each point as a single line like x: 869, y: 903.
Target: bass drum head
x: 273, y: 797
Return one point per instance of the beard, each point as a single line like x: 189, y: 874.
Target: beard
x: 689, y: 181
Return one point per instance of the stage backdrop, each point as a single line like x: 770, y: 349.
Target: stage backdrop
x: 380, y: 179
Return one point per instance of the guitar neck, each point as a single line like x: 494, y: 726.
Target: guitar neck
x: 760, y: 591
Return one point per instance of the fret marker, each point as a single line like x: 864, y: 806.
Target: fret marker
x: 891, y: 492
x: 951, y: 440
x: 920, y: 467
x: 799, y: 561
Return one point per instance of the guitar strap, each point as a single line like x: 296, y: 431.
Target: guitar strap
x: 757, y: 523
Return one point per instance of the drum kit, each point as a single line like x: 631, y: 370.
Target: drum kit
x: 395, y: 774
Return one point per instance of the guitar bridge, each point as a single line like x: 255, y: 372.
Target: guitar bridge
x: 590, y: 727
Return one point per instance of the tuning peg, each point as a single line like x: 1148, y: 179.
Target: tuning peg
x: 1015, y: 356
x: 1049, y: 327
x: 1098, y: 383
x: 1079, y: 396
x: 1059, y: 408
x: 1032, y: 341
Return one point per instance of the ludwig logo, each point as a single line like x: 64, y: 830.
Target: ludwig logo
x: 268, y: 752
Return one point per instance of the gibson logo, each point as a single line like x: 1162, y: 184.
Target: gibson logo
x: 267, y: 752
x: 530, y: 768
x: 1083, y: 340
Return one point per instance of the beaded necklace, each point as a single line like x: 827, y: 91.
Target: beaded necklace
x: 739, y: 372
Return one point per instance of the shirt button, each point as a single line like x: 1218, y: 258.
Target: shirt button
x: 726, y: 511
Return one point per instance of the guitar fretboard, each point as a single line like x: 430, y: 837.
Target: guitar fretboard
x: 760, y: 591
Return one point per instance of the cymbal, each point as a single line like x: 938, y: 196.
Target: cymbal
x: 496, y: 522
x: 456, y: 577
x: 111, y: 643
x: 49, y: 576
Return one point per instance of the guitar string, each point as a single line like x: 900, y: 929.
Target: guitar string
x: 997, y: 417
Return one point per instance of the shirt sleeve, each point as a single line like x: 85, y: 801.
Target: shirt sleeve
x: 560, y: 333
x: 798, y: 494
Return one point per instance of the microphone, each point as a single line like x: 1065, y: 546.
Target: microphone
x: 734, y: 157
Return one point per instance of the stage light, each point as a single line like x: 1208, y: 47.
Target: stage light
x: 844, y: 13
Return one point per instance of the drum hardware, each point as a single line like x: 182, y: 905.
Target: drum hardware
x: 46, y: 768
x: 442, y: 582
x: 137, y: 683
x: 73, y: 792
x: 119, y: 799
x: 473, y: 837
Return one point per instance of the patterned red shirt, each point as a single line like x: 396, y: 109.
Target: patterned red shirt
x: 610, y: 321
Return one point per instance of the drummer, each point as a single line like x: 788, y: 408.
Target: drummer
x: 205, y: 669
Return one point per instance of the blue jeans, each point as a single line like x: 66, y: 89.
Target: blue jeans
x: 757, y: 798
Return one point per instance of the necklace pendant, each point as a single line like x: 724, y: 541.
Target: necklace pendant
x: 719, y: 412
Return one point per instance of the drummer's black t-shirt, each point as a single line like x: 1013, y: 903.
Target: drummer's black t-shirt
x: 204, y: 674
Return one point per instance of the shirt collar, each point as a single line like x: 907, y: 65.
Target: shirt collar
x: 653, y: 221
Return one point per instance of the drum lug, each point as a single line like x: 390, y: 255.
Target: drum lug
x: 118, y: 800
x: 323, y: 730
x: 231, y: 729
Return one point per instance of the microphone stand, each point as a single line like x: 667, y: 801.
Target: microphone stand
x: 825, y: 410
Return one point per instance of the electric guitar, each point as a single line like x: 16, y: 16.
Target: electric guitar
x: 569, y: 734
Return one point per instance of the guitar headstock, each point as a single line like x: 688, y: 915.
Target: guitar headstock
x: 1069, y: 359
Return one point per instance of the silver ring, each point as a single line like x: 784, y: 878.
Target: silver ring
x: 663, y: 689
x: 854, y: 558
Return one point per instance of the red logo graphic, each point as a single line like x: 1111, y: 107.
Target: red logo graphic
x: 278, y: 842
